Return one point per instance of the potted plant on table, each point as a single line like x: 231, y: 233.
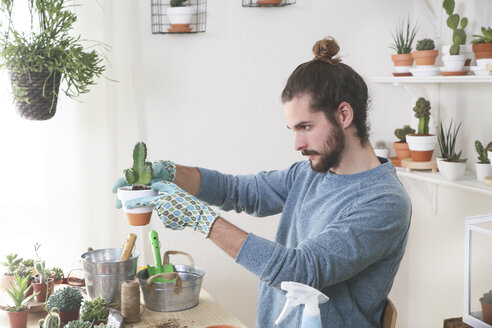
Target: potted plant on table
x: 452, y: 166
x: 18, y: 293
x: 401, y: 146
x: 45, y: 56
x: 422, y: 143
x: 138, y: 176
x: 454, y: 62
x: 179, y: 16
x: 68, y: 301
x: 482, y: 46
x: 96, y: 311
x: 11, y: 264
x: 402, y: 44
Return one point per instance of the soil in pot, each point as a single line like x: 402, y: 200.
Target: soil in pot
x: 42, y: 289
x: 18, y: 319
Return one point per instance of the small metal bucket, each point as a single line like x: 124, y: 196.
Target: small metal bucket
x: 172, y: 296
x: 104, y: 272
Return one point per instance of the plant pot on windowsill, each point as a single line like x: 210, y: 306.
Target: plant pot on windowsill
x: 421, y: 146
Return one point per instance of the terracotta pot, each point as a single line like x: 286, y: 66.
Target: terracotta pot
x: 421, y: 156
x: 421, y: 146
x: 402, y: 150
x: 67, y: 316
x: 137, y: 216
x: 482, y: 50
x: 425, y: 57
x: 41, y: 288
x: 487, y: 312
x: 402, y: 59
x: 18, y: 319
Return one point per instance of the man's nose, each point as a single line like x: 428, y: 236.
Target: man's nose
x: 299, y: 142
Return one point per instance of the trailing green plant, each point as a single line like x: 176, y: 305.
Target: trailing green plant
x: 425, y: 44
x: 52, y: 319
x: 65, y: 299
x: 453, y: 21
x: 482, y: 152
x: 12, y: 263
x: 47, y: 47
x: 95, y: 310
x: 403, y: 37
x: 78, y: 324
x: 422, y: 112
x: 58, y: 273
x: 178, y: 3
x: 447, y: 142
x: 402, y: 133
x: 18, y: 293
x: 486, y: 36
x: 140, y: 174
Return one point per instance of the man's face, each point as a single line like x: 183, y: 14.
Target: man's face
x: 315, y: 136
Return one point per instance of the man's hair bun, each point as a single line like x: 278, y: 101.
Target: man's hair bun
x: 326, y: 50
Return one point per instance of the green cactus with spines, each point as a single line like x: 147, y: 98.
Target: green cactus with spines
x: 486, y: 36
x: 402, y: 133
x: 425, y: 44
x: 422, y: 112
x: 453, y: 21
x: 41, y: 270
x: 52, y: 320
x: 482, y: 152
x: 140, y: 174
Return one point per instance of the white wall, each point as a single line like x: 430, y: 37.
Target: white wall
x: 212, y: 99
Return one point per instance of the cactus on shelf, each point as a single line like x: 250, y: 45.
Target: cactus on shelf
x: 482, y: 152
x: 422, y: 112
x: 140, y: 174
x: 52, y: 320
x: 453, y: 21
x: 425, y: 44
x: 402, y: 133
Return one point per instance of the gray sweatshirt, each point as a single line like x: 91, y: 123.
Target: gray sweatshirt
x: 344, y: 235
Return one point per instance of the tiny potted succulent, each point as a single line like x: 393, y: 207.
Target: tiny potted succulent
x: 57, y: 275
x: 452, y: 166
x: 138, y: 176
x: 11, y: 264
x: 482, y: 46
x: 43, y: 284
x: 68, y: 301
x: 402, y: 44
x: 95, y: 311
x: 180, y: 16
x: 78, y: 324
x: 422, y: 143
x: 18, y: 293
x: 482, y: 167
x: 425, y: 54
x: 381, y: 150
x: 52, y: 319
x: 453, y: 61
x: 486, y: 302
x: 401, y: 146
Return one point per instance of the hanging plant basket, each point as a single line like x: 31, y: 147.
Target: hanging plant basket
x: 41, y: 94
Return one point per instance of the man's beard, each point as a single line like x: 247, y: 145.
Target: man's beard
x: 334, y: 146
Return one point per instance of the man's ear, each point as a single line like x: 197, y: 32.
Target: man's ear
x: 345, y: 114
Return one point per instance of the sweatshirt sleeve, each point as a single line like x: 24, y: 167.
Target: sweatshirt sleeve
x: 262, y: 194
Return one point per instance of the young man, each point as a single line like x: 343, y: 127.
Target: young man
x: 345, y: 215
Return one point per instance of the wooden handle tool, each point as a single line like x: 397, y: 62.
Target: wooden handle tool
x: 127, y: 249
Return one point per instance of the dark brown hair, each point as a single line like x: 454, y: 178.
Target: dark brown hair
x: 329, y: 82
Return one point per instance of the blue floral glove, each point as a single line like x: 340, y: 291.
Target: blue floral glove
x: 161, y: 171
x: 177, y: 208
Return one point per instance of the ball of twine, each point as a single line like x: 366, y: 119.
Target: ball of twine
x: 130, y: 301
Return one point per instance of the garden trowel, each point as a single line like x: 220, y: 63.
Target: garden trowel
x: 159, y: 268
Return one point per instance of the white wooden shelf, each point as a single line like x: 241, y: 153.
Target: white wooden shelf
x: 433, y: 79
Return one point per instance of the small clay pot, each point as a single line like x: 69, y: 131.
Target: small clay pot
x: 482, y: 50
x: 67, y: 316
x: 402, y: 150
x: 18, y: 319
x: 487, y: 312
x: 421, y: 156
x: 425, y: 57
x: 402, y: 59
x: 41, y: 288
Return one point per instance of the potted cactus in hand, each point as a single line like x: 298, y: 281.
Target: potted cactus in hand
x: 402, y: 44
x: 68, y: 301
x: 482, y: 167
x: 96, y: 311
x: 425, y: 54
x: 18, y: 293
x: 401, y: 146
x: 422, y: 143
x: 179, y: 16
x: 11, y: 264
x: 138, y: 176
x: 454, y: 60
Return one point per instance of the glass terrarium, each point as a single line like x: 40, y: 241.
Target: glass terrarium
x: 477, y: 310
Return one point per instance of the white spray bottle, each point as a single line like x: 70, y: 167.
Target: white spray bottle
x: 297, y: 294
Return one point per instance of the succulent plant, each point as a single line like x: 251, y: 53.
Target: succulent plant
x: 58, y: 273
x: 78, y: 324
x: 402, y: 133
x: 404, y: 36
x: 52, y: 320
x: 24, y: 271
x: 140, y: 174
x: 487, y: 298
x: 65, y: 299
x: 425, y: 44
x: 453, y: 21
x: 486, y: 36
x: 18, y: 293
x: 482, y: 152
x: 422, y: 112
x: 12, y: 263
x: 95, y: 310
x: 447, y: 142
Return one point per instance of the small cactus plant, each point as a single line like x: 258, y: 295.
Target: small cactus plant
x: 140, y: 174
x: 78, y: 324
x: 65, y: 299
x: 402, y: 133
x: 52, y: 320
x: 41, y: 270
x: 453, y: 21
x: 482, y: 152
x: 425, y: 44
x: 422, y: 112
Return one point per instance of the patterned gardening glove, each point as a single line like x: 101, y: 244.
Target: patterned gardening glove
x: 161, y: 171
x: 177, y: 208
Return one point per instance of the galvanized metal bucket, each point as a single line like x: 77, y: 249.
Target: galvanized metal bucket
x: 104, y: 272
x: 172, y: 296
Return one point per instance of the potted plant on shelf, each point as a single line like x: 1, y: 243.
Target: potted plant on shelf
x: 138, y: 176
x: 68, y: 301
x: 96, y: 311
x: 11, y: 264
x: 482, y: 167
x: 179, y: 16
x: 52, y: 319
x: 454, y: 62
x: 482, y: 46
x: 452, y: 166
x: 18, y: 293
x: 45, y: 56
x: 486, y: 302
x: 425, y: 54
x: 381, y: 150
x: 401, y: 146
x: 421, y: 144
x: 402, y: 44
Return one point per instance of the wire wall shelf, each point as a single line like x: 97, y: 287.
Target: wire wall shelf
x: 161, y: 22
x: 267, y: 3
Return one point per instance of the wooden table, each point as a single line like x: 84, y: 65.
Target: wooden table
x: 207, y: 312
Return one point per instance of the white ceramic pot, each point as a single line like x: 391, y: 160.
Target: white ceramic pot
x: 465, y: 49
x: 382, y: 152
x: 136, y: 216
x: 402, y: 69
x: 454, y: 63
x: 421, y: 143
x: 179, y: 15
x: 438, y: 162
x: 453, y: 170
x: 483, y: 170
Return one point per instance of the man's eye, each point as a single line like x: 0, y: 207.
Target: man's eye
x: 306, y: 127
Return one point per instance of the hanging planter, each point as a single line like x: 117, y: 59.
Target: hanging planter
x: 178, y: 16
x: 267, y: 3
